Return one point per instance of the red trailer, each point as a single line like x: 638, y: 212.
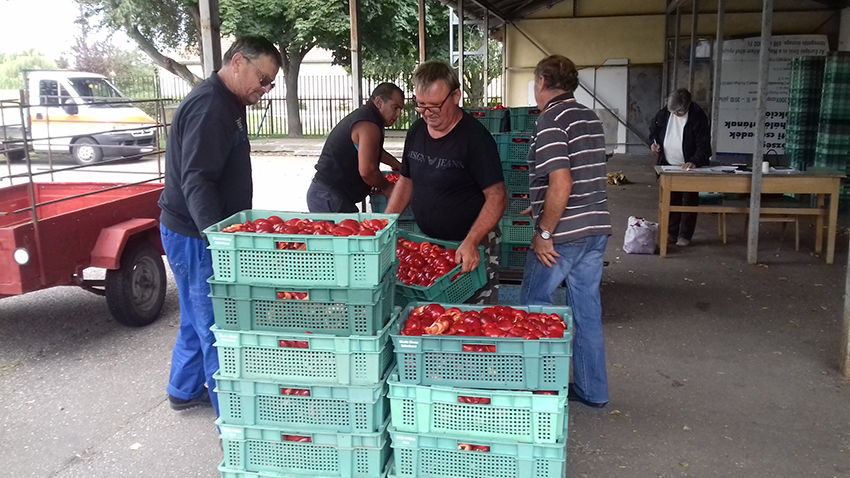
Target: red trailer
x: 51, y: 232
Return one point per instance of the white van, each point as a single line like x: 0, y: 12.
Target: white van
x: 84, y: 114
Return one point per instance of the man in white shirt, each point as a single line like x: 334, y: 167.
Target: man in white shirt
x: 681, y: 136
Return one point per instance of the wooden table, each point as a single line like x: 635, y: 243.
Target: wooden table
x: 819, y: 184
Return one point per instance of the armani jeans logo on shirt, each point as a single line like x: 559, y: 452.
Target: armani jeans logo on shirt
x: 438, y: 163
x: 239, y: 124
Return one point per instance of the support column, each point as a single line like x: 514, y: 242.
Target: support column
x: 421, y: 31
x: 692, y: 60
x: 461, y: 48
x: 356, y: 64
x: 758, y: 152
x: 486, y: 73
x: 678, y: 32
x: 210, y: 36
x: 718, y: 62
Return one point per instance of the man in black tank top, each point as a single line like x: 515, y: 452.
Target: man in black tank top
x: 349, y: 164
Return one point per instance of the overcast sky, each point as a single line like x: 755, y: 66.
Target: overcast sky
x: 45, y: 25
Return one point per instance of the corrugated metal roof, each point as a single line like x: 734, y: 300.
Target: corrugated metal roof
x: 512, y: 10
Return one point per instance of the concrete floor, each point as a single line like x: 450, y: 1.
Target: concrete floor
x: 717, y: 368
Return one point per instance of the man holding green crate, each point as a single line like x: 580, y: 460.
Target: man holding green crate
x: 451, y: 175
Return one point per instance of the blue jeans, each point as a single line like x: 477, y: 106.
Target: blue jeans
x: 580, y: 266
x: 194, y: 360
x: 323, y: 198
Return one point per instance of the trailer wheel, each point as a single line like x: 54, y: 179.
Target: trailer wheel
x: 86, y: 151
x: 136, y: 291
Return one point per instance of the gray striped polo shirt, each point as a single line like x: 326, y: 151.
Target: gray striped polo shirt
x: 569, y: 135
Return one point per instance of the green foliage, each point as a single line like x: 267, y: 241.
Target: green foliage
x: 12, y: 64
x: 167, y: 24
x: 390, y: 38
x: 295, y: 25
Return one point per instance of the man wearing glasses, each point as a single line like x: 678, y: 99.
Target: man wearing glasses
x: 451, y: 175
x: 207, y: 179
x: 348, y: 167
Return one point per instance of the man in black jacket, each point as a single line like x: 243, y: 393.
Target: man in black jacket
x: 681, y: 136
x: 207, y: 179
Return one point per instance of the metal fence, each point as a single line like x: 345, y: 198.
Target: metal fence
x: 323, y: 101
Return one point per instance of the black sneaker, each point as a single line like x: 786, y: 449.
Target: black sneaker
x: 572, y: 395
x: 178, y: 404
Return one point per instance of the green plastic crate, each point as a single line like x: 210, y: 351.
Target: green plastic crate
x: 517, y: 364
x: 511, y: 415
x: 513, y: 147
x: 407, y: 226
x: 337, y: 311
x: 444, y: 289
x: 336, y: 455
x: 524, y: 119
x: 328, y: 408
x: 327, y: 359
x: 379, y: 204
x: 495, y: 120
x: 513, y: 256
x: 517, y: 229
x: 432, y: 456
x: 517, y: 203
x: 516, y: 177
x: 253, y: 258
x: 228, y: 473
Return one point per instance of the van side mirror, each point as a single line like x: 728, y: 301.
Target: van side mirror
x: 70, y: 107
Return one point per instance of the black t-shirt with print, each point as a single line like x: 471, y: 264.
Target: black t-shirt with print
x: 449, y: 175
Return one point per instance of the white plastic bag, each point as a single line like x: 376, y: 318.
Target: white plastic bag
x: 640, y: 236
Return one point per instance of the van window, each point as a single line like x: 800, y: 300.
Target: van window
x: 48, y: 93
x: 95, y: 90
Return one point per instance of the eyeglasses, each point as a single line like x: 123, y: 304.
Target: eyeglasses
x: 432, y: 109
x: 265, y: 82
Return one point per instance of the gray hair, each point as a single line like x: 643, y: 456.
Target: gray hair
x: 558, y: 73
x: 679, y: 101
x: 432, y: 71
x: 252, y: 47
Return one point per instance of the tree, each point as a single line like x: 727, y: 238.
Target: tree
x: 156, y: 26
x: 473, y: 66
x: 101, y: 56
x: 389, y: 35
x: 297, y: 26
x: 12, y: 64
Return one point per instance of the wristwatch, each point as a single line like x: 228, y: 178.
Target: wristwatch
x: 544, y: 234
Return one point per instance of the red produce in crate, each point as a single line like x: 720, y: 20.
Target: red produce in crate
x: 498, y: 321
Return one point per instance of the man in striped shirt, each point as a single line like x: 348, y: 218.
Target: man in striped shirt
x: 567, y: 166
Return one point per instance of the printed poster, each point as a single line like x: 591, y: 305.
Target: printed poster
x: 739, y: 90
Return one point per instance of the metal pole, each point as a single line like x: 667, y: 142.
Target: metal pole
x: 460, y: 47
x: 35, y: 228
x: 486, y: 72
x: 665, y: 63
x: 356, y: 65
x: 210, y: 36
x: 678, y: 31
x: 421, y: 31
x: 758, y: 152
x: 693, y: 56
x: 504, y: 64
x: 718, y: 62
x: 844, y: 359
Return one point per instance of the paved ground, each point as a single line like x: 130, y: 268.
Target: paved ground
x: 717, y: 368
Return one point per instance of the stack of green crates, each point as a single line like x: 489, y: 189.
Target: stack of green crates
x: 517, y: 229
x: 833, y: 140
x: 472, y: 414
x: 805, y: 86
x: 302, y: 338
x: 496, y: 120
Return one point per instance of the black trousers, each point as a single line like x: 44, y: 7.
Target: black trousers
x: 683, y: 224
